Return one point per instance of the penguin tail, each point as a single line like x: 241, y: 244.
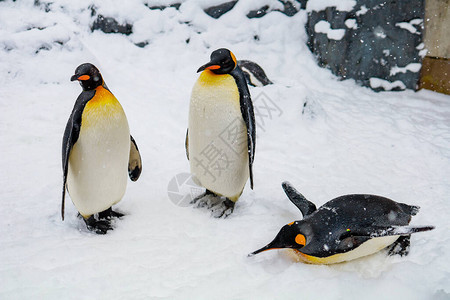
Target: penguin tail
x: 411, y: 210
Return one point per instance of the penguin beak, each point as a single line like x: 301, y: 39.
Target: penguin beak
x: 209, y: 66
x: 270, y: 246
x: 77, y: 77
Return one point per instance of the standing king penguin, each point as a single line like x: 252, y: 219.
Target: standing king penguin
x: 221, y: 136
x: 97, y: 151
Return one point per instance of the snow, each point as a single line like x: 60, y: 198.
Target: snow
x: 385, y: 84
x: 412, y: 67
x: 325, y: 27
x: 351, y: 23
x: 410, y: 25
x: 341, y: 5
x: 362, y: 10
x: 348, y: 140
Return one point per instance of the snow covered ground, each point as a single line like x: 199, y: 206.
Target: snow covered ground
x: 348, y: 139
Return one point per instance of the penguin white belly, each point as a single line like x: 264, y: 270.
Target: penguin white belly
x: 370, y: 247
x: 218, y: 153
x: 98, y: 162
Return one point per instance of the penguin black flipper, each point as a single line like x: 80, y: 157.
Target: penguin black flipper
x: 186, y: 143
x: 71, y: 134
x: 135, y: 161
x: 303, y: 204
x: 398, y: 230
x: 248, y: 115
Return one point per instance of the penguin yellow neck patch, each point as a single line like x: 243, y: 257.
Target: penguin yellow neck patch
x: 207, y: 77
x: 102, y: 106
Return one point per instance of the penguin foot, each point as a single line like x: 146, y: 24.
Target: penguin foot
x: 208, y: 201
x: 400, y: 246
x: 98, y: 226
x: 109, y: 213
x: 224, y: 209
x: 219, y: 207
x: 199, y: 199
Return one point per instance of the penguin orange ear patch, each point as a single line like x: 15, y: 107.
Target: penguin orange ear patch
x: 84, y: 77
x: 233, y: 57
x: 300, y: 239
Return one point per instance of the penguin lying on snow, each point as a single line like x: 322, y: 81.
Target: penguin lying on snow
x: 221, y: 136
x: 346, y: 228
x: 97, y: 151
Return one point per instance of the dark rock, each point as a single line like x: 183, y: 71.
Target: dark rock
x: 375, y: 46
x: 221, y: 9
x: 45, y: 47
x: 142, y: 44
x: 110, y: 25
x: 93, y: 10
x: 289, y: 9
x: 302, y: 3
x: 46, y: 6
x: 254, y: 74
x: 163, y: 7
x: 258, y: 13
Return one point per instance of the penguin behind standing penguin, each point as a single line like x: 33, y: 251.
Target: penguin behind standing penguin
x: 221, y: 135
x: 97, y: 152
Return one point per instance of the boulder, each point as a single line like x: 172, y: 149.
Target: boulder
x: 221, y: 9
x: 374, y: 43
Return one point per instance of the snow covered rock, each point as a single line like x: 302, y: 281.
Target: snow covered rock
x: 218, y: 10
x: 290, y: 8
x: 163, y: 7
x: 366, y: 39
x: 110, y: 25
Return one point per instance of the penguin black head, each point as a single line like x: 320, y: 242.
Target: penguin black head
x: 293, y: 235
x: 222, y: 61
x: 88, y: 76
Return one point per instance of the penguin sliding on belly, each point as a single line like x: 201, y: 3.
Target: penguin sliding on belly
x: 97, y: 151
x: 221, y: 136
x: 346, y: 228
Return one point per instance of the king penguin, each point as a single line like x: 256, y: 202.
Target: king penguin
x: 97, y: 151
x: 221, y: 135
x: 346, y: 228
